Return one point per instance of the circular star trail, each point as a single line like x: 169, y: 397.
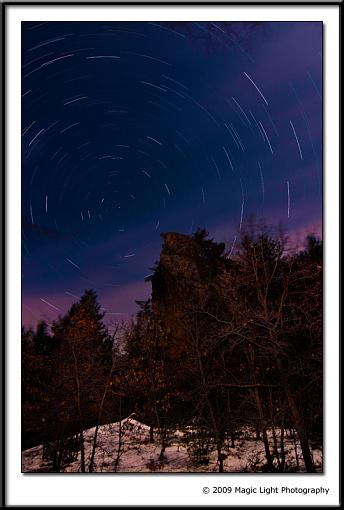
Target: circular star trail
x: 130, y: 129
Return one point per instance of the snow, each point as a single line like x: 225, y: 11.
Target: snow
x: 137, y: 454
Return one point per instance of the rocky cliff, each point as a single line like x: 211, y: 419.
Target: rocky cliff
x: 187, y: 273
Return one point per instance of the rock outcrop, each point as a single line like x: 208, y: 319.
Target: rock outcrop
x: 183, y: 280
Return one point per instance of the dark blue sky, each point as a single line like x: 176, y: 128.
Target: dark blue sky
x: 133, y: 129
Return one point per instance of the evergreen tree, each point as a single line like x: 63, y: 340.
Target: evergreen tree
x: 41, y: 339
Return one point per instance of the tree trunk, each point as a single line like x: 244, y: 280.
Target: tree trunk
x: 94, y: 443
x: 274, y: 437
x: 151, y: 434
x: 119, y: 435
x: 58, y: 454
x: 282, y: 449
x: 299, y: 424
x: 119, y: 446
x: 262, y: 426
x: 276, y: 447
x: 162, y: 452
x: 78, y: 398
x: 82, y: 451
x: 282, y: 465
x: 211, y: 411
x: 268, y: 455
x: 296, y: 454
x: 220, y: 460
x: 301, y: 431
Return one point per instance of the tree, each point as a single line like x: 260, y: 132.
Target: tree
x: 150, y: 378
x: 305, y: 335
x: 258, y: 315
x: 186, y: 282
x: 41, y: 339
x: 264, y: 285
x: 27, y: 339
x: 85, y: 361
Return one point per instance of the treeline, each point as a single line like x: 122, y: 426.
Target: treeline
x: 229, y: 340
x: 66, y: 376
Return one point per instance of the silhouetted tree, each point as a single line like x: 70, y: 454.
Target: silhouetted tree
x: 85, y: 360
x: 41, y: 339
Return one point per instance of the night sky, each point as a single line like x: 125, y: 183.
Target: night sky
x: 134, y: 129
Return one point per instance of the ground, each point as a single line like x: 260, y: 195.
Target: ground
x: 137, y: 454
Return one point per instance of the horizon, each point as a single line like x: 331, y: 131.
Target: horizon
x: 295, y: 244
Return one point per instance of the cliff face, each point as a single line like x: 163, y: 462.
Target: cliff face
x: 175, y: 270
x: 178, y: 284
x: 178, y: 260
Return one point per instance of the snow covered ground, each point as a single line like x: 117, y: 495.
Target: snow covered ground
x: 136, y: 454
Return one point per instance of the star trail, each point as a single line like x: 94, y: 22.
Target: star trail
x: 131, y: 129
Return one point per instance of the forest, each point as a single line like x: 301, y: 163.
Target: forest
x: 229, y: 344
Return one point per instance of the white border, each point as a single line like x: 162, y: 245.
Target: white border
x: 169, y: 489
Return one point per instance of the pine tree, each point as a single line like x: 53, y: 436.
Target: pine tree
x: 84, y: 363
x: 41, y: 339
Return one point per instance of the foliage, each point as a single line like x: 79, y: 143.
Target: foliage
x: 63, y: 384
x: 225, y: 343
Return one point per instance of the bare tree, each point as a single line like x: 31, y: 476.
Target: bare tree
x: 262, y: 285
